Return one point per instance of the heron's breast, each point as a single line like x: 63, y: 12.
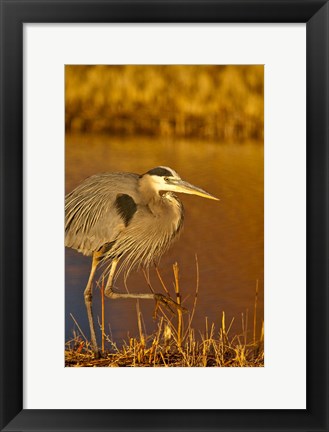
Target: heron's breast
x: 166, y: 215
x: 149, y: 234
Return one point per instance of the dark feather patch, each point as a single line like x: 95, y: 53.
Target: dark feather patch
x: 126, y: 207
x: 159, y: 171
x: 106, y: 247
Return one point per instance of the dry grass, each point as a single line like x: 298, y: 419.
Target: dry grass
x: 215, y: 102
x: 175, y: 342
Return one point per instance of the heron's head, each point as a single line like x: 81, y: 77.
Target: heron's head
x: 166, y: 179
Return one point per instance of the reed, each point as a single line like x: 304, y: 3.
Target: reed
x: 103, y: 315
x: 179, y: 311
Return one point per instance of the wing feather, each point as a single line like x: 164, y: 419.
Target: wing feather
x: 92, y: 217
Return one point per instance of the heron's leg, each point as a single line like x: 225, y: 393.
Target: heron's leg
x: 108, y: 289
x: 113, y: 295
x: 148, y: 296
x: 88, y: 294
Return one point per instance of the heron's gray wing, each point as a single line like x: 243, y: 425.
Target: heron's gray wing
x: 99, y: 209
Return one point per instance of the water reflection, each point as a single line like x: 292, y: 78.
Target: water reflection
x: 227, y: 236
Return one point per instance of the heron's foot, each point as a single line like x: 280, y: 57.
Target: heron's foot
x: 168, y: 302
x: 97, y: 354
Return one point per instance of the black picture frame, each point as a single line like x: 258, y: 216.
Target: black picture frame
x: 315, y: 13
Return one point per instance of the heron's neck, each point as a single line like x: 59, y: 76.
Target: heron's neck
x: 148, y: 194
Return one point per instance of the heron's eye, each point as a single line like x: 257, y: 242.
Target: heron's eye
x: 166, y: 179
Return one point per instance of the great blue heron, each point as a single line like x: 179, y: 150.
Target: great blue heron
x: 125, y: 217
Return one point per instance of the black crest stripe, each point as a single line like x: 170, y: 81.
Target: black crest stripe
x: 126, y: 207
x: 159, y: 171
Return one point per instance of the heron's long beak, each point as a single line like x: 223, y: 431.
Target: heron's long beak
x: 185, y: 187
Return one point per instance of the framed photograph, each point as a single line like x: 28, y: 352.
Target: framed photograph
x: 120, y: 124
